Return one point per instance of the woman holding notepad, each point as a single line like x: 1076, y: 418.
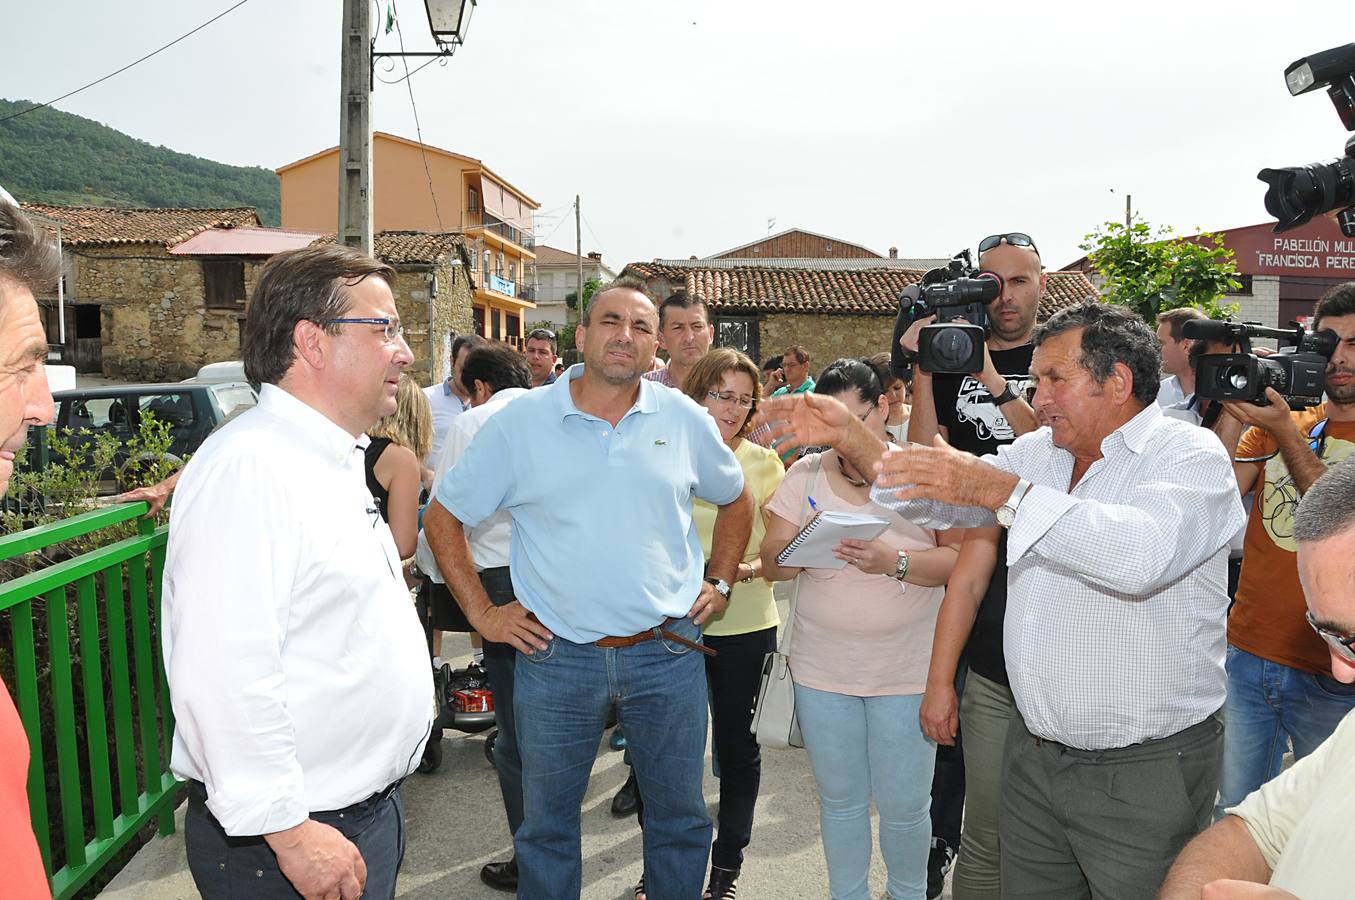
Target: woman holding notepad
x: 864, y: 615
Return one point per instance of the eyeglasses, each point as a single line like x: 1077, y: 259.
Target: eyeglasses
x: 541, y: 334
x: 393, y: 329
x: 1343, y: 644
x: 866, y: 415
x: 1015, y: 238
x: 744, y: 401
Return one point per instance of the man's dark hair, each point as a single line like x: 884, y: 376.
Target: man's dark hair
x: 795, y: 350
x: 1111, y: 334
x: 682, y: 300
x: 623, y: 282
x: 772, y: 364
x: 28, y: 256
x: 542, y: 334
x: 1177, y: 318
x: 860, y: 375
x: 1339, y: 301
x: 306, y: 285
x: 1328, y: 508
x: 461, y: 340
x: 497, y: 366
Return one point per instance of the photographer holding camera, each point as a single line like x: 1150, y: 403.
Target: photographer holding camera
x: 1280, y: 685
x: 976, y: 413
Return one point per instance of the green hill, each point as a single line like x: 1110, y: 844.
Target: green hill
x: 49, y: 156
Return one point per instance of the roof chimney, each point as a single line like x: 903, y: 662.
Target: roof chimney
x: 593, y: 254
x: 893, y: 252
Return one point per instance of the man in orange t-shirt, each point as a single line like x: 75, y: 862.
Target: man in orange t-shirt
x: 1280, y: 689
x: 29, y: 263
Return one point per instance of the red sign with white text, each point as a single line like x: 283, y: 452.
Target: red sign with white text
x: 1317, y: 249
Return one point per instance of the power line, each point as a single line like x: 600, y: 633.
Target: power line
x: 589, y: 226
x: 25, y: 112
x: 423, y: 154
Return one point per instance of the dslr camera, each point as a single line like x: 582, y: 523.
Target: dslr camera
x: 1298, y: 193
x: 955, y: 291
x: 1298, y: 371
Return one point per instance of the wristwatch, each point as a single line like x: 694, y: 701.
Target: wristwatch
x: 720, y: 585
x: 1006, y: 513
x: 1007, y: 396
x: 901, y: 568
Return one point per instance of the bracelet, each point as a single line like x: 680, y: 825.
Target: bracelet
x: 901, y: 568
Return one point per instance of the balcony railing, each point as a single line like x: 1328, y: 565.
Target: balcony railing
x: 510, y: 232
x: 111, y: 650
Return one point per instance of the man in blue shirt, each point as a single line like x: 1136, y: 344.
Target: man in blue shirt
x: 598, y: 472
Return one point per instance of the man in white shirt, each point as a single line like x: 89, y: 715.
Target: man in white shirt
x: 494, y: 375
x: 1118, y: 524
x: 297, y: 667
x: 1178, y: 387
x: 448, y: 398
x: 1294, y: 832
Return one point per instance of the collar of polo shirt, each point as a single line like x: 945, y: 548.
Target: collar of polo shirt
x: 646, y: 402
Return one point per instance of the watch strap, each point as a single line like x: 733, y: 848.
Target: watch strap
x: 1007, y: 396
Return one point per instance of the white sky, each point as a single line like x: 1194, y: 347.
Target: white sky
x: 686, y: 126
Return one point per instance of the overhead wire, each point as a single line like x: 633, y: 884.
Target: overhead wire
x: 418, y: 131
x: 24, y: 112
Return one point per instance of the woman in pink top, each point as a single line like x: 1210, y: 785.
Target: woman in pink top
x: 861, y: 648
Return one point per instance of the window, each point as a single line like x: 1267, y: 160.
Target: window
x: 498, y: 265
x: 174, y: 409
x: 513, y: 272
x: 514, y: 326
x: 486, y: 270
x: 739, y: 333
x: 495, y: 322
x: 232, y: 397
x: 473, y: 199
x: 223, y: 283
x: 478, y: 317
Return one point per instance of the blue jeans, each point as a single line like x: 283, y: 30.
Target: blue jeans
x: 561, y: 699
x: 1269, y: 706
x: 861, y: 747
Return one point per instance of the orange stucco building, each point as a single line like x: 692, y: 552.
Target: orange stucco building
x: 495, y: 217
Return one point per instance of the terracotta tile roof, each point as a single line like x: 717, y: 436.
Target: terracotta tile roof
x: 854, y: 291
x: 414, y: 247
x: 551, y: 256
x: 94, y: 225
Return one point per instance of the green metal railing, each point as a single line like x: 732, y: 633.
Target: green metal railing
x: 121, y: 677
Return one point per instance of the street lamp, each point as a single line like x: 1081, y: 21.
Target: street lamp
x: 449, y: 19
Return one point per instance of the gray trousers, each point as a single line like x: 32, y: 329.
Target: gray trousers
x: 233, y: 868
x: 986, y: 712
x: 1103, y: 823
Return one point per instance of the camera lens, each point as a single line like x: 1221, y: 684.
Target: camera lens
x: 1235, y: 377
x: 952, y: 346
x: 1298, y: 193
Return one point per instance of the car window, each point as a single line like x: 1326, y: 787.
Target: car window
x: 99, y: 414
x: 233, y: 397
x: 175, y: 409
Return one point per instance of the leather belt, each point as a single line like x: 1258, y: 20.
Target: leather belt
x: 661, y: 630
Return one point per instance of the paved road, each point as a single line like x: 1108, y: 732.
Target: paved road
x: 456, y: 825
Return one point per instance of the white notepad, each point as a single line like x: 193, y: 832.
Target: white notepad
x: 813, y: 546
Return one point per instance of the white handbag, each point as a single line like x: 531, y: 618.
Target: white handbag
x: 774, y: 722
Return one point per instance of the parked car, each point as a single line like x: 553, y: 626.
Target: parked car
x: 217, y: 372
x: 192, y: 410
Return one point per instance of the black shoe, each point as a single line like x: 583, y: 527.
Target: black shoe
x: 626, y: 801
x: 724, y: 883
x: 939, y: 861
x: 501, y: 876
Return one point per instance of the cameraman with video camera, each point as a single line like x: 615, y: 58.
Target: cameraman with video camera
x: 976, y: 412
x: 1280, y: 685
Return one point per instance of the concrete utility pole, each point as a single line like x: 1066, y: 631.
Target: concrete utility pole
x: 355, y: 128
x: 578, y: 252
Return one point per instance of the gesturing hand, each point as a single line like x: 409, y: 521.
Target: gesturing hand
x: 319, y: 861
x: 805, y: 420
x: 941, y: 472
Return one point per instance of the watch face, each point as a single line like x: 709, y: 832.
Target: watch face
x: 1006, y: 516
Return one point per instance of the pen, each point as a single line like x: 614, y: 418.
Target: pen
x: 812, y: 505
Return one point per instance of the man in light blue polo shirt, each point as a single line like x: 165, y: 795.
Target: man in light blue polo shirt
x: 598, y: 472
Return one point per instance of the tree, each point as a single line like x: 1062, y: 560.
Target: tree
x: 590, y: 287
x: 1155, y: 271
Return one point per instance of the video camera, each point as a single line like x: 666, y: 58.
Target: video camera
x: 953, y: 291
x: 1298, y: 371
x: 1298, y: 193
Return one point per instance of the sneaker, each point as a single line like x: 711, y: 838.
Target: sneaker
x: 723, y: 884
x: 939, y: 861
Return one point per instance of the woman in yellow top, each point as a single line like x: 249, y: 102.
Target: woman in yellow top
x: 726, y: 383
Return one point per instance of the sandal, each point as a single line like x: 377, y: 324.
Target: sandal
x: 723, y: 884
x: 640, y: 889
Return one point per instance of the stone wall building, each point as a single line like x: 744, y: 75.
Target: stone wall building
x: 155, y: 294
x: 832, y: 307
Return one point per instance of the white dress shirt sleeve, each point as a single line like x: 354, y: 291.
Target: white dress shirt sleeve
x: 229, y: 587
x: 939, y: 516
x: 1162, y: 530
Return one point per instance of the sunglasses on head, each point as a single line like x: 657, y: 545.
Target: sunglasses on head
x: 541, y: 334
x: 1015, y: 238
